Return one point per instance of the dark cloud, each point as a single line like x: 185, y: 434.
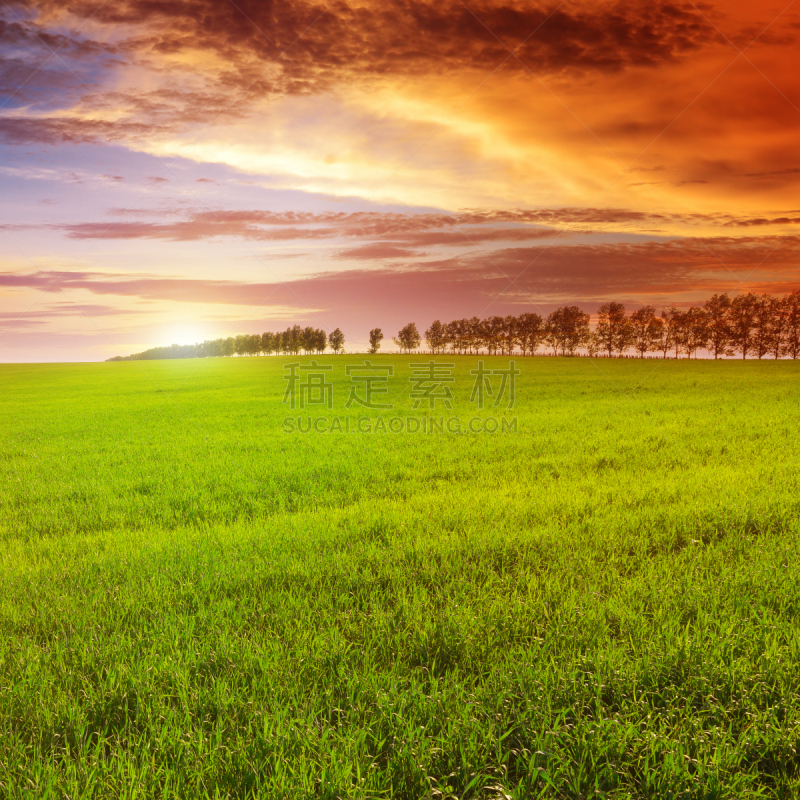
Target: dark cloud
x: 301, y: 47
x: 644, y: 268
x: 774, y: 173
x: 761, y: 221
x: 45, y: 69
x: 324, y: 41
x: 561, y: 216
x: 23, y: 82
x: 391, y: 235
x: 406, y: 230
x: 463, y: 236
x: 55, y: 130
x: 377, y: 251
x: 26, y: 34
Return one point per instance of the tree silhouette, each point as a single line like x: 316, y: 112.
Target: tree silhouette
x: 645, y: 330
x: 791, y: 345
x: 670, y: 331
x: 308, y: 340
x: 567, y: 329
x: 408, y: 338
x: 779, y: 329
x: 744, y: 311
x: 592, y: 344
x: 718, y: 322
x: 375, y: 339
x: 268, y: 343
x: 693, y: 331
x: 493, y: 332
x: 436, y: 337
x: 452, y: 333
x: 613, y: 330
x: 336, y: 340
x: 531, y: 332
x: 767, y: 328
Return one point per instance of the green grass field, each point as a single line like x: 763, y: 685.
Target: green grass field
x: 196, y: 603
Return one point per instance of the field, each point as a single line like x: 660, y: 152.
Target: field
x: 196, y: 603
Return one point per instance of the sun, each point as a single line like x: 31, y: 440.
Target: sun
x: 185, y: 332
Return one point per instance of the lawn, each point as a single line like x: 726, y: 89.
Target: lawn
x: 601, y: 600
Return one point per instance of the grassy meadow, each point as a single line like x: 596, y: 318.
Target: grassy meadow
x: 603, y: 604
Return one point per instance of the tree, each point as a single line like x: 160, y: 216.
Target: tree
x: 613, y: 330
x: 472, y: 332
x: 694, y: 333
x: 779, y: 317
x: 493, y: 333
x: 744, y: 309
x: 592, y: 345
x: 763, y: 327
x: 791, y: 346
x: 510, y: 334
x: 453, y: 335
x: 268, y: 343
x: 567, y: 329
x: 531, y: 332
x: 408, y: 338
x: 436, y: 336
x: 645, y: 330
x: 552, y: 336
x: 375, y: 339
x: 679, y: 332
x: 718, y: 322
x: 320, y: 340
x: 308, y: 339
x: 292, y: 340
x: 670, y: 330
x: 336, y: 340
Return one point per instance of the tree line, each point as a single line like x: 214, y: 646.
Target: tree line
x: 292, y: 341
x: 747, y: 325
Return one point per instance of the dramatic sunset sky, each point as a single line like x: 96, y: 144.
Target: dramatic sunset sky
x: 176, y: 171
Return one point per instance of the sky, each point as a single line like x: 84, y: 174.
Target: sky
x: 185, y: 170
